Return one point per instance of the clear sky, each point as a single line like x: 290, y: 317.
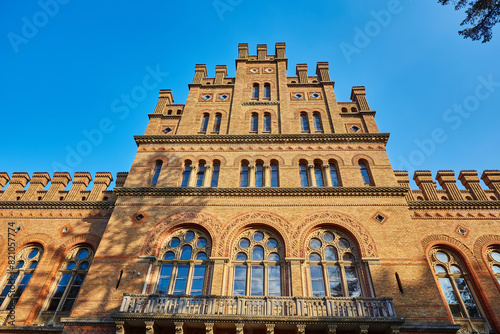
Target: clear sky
x: 65, y: 67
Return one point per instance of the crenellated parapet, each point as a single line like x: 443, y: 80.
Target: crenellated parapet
x: 474, y: 191
x: 15, y: 185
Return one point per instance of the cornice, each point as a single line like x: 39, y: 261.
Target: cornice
x: 259, y: 103
x: 252, y: 192
x: 87, y: 322
x: 30, y: 329
x: 426, y: 328
x: 359, y: 113
x: 160, y: 115
x: 63, y: 205
x: 229, y: 85
x: 265, y: 138
x: 454, y: 205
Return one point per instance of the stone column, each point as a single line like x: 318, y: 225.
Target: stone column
x: 209, y: 327
x: 239, y: 328
x: 312, y: 177
x: 207, y: 180
x: 327, y: 175
x: 332, y: 329
x: 178, y: 327
x: 470, y: 180
x: 150, y: 327
x: 270, y: 328
x: 120, y: 327
x: 267, y: 175
x: 251, y: 175
x: 192, y: 176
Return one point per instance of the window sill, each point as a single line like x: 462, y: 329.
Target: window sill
x: 202, y: 132
x: 214, y: 132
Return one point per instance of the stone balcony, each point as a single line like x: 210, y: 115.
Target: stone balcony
x: 328, y: 307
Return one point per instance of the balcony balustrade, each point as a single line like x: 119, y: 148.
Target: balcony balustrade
x: 358, y: 307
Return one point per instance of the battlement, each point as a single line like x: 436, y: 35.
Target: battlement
x: 56, y: 192
x: 450, y: 192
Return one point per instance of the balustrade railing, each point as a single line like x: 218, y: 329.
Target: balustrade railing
x: 258, y: 306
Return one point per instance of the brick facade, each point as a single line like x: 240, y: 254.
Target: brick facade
x: 394, y: 232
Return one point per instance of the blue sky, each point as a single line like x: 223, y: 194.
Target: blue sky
x: 64, y: 69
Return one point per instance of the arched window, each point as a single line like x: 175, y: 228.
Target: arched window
x: 344, y: 109
x: 258, y: 264
x: 18, y: 276
x: 334, y: 174
x: 267, y: 123
x: 184, y: 259
x: 318, y: 173
x: 304, y: 180
x: 493, y: 256
x: 353, y: 109
x: 267, y: 91
x: 217, y: 121
x: 200, y: 175
x: 204, y: 123
x: 363, y: 167
x: 304, y: 122
x: 156, y: 172
x: 186, y: 173
x: 255, y: 91
x: 454, y: 286
x: 333, y: 264
x: 274, y: 174
x: 317, y: 122
x: 254, y: 122
x: 71, y: 276
x: 259, y: 174
x: 215, y: 173
x: 244, y: 174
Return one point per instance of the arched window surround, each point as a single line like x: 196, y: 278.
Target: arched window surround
x: 70, y: 278
x: 258, y: 264
x: 181, y: 274
x: 334, y: 264
x: 446, y: 278
x: 18, y: 276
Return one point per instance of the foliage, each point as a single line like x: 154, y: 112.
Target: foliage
x: 482, y: 15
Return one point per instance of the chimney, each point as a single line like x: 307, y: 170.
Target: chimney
x: 242, y: 50
x: 358, y: 94
x: 261, y: 51
x: 280, y: 50
x: 322, y: 71
x: 200, y: 73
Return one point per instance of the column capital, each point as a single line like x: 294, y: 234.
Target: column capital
x: 239, y: 328
x: 208, y: 166
x: 332, y: 329
x: 326, y: 166
x: 266, y: 166
x: 178, y: 327
x: 120, y: 327
x: 150, y: 327
x: 251, y: 166
x: 363, y: 329
x: 270, y: 328
x: 209, y: 327
x: 301, y: 329
x: 310, y: 165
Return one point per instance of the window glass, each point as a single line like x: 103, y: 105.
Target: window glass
x: 364, y: 173
x: 255, y: 91
x: 304, y: 123
x: 317, y: 284
x: 254, y: 123
x: 304, y: 181
x: 156, y: 173
x: 244, y: 175
x: 200, y: 176
x: 217, y: 121
x: 267, y: 91
x: 215, y: 175
x: 204, y: 123
x: 259, y: 175
x: 333, y: 175
x: 274, y: 175
x: 319, y: 175
x: 317, y: 122
x: 267, y: 123
x: 186, y: 174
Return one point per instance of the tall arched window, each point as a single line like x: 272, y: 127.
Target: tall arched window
x: 259, y: 174
x: 333, y: 264
x: 267, y: 91
x: 244, y: 174
x: 204, y: 123
x: 317, y: 122
x: 200, y: 175
x: 304, y: 180
x: 18, y: 276
x: 304, y: 122
x: 71, y: 276
x: 258, y: 264
x: 186, y: 173
x: 493, y: 255
x: 215, y: 173
x: 156, y: 173
x: 274, y: 174
x: 267, y: 122
x: 334, y: 174
x: 318, y: 173
x: 254, y: 122
x: 184, y: 259
x: 255, y: 91
x: 454, y: 286
x: 217, y: 121
x: 365, y: 174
